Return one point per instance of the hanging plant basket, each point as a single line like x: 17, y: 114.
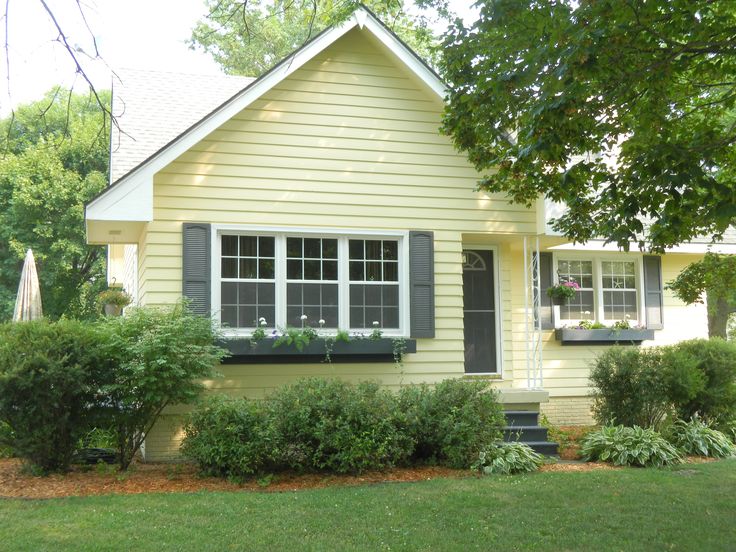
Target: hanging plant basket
x: 111, y: 309
x: 559, y: 300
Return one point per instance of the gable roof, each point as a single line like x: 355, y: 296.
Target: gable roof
x: 130, y: 198
x: 152, y: 108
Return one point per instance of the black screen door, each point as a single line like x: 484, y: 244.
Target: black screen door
x: 479, y: 312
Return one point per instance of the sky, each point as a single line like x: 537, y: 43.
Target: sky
x: 137, y: 34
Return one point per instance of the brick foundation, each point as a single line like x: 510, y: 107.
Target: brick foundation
x: 568, y: 411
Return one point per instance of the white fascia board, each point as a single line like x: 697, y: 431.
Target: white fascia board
x: 130, y: 202
x: 405, y: 55
x: 106, y: 203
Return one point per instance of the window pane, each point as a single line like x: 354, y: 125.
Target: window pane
x: 248, y: 268
x: 329, y: 249
x: 390, y: 318
x: 390, y: 250
x: 294, y: 247
x: 373, y: 272
x: 390, y: 272
x: 248, y: 246
x: 266, y: 294
x: 317, y: 301
x: 294, y: 269
x: 374, y: 303
x: 373, y: 249
x: 265, y: 269
x: 312, y: 248
x: 265, y: 246
x: 356, y: 249
x: 229, y: 293
x: 356, y: 317
x: 269, y: 314
x: 229, y: 268
x: 356, y: 271
x: 229, y: 316
x: 329, y: 270
x: 391, y: 296
x: 230, y: 246
x: 372, y: 295
x: 247, y: 293
x: 312, y: 270
x: 247, y: 317
x: 580, y: 307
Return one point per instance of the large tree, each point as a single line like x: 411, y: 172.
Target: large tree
x: 622, y: 109
x: 53, y: 158
x: 248, y: 37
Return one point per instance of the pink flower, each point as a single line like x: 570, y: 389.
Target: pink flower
x: 573, y: 285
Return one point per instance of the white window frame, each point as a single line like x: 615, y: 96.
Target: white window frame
x: 638, y: 260
x: 343, y: 280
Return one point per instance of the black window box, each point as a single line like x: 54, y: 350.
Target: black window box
x: 602, y: 336
x: 243, y: 351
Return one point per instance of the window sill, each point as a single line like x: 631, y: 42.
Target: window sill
x: 243, y: 351
x: 604, y: 336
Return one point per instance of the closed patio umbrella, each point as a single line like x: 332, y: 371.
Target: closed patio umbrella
x: 28, y: 302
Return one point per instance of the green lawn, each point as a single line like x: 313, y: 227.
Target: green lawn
x: 692, y: 507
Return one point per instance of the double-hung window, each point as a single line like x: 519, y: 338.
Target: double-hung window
x: 610, y: 289
x: 353, y: 282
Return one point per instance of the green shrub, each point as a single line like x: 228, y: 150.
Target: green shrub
x: 155, y: 358
x: 641, y: 387
x: 695, y: 437
x: 508, y: 458
x: 49, y: 383
x: 715, y: 359
x: 230, y: 438
x: 451, y: 422
x: 7, y: 438
x: 327, y: 424
x: 629, y: 446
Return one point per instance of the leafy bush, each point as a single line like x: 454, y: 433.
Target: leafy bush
x: 327, y: 424
x: 6, y: 440
x: 641, y: 387
x: 507, y: 458
x: 451, y: 422
x: 629, y: 446
x: 695, y: 437
x: 155, y: 358
x: 715, y: 360
x: 230, y: 438
x: 49, y: 383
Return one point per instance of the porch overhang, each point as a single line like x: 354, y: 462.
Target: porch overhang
x: 105, y: 232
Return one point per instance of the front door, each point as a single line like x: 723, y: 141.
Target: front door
x: 479, y: 311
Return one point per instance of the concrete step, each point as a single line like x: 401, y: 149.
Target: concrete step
x: 524, y: 433
x: 521, y: 417
x: 544, y: 447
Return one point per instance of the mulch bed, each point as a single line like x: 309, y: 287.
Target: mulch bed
x: 183, y: 478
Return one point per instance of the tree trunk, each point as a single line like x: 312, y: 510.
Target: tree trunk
x: 718, y: 311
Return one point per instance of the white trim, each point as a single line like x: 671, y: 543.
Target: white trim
x: 497, y: 311
x: 343, y: 236
x: 110, y: 204
x: 596, y: 259
x: 595, y: 246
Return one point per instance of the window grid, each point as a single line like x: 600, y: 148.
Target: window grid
x: 374, y: 281
x: 619, y: 290
x: 582, y: 305
x: 310, y: 262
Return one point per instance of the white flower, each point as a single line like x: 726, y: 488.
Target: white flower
x: 376, y: 323
x: 321, y: 322
x: 263, y: 322
x: 586, y: 312
x: 303, y: 317
x: 628, y: 316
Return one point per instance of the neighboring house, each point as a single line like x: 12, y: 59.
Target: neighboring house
x: 325, y: 188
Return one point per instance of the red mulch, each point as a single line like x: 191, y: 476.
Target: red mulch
x: 183, y: 478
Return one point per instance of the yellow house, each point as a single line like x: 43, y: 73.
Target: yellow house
x: 324, y: 189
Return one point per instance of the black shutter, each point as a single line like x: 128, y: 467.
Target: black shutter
x: 653, y: 291
x: 546, y: 277
x: 196, y: 266
x: 421, y: 283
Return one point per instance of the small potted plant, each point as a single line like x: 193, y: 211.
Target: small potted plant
x: 563, y: 292
x: 113, y: 300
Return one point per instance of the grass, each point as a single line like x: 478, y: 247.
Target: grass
x: 691, y: 507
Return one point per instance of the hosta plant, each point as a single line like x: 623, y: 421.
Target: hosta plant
x: 507, y: 458
x: 629, y: 446
x: 695, y: 437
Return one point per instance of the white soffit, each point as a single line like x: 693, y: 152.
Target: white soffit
x: 685, y: 248
x: 131, y: 197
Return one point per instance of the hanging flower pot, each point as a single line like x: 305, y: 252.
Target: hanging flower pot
x: 112, y: 301
x: 562, y: 293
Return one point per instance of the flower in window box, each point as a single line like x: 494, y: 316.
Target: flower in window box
x: 563, y: 292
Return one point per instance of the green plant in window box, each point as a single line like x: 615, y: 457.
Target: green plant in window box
x: 112, y: 301
x: 260, y: 332
x: 299, y: 337
x: 330, y: 341
x: 563, y: 292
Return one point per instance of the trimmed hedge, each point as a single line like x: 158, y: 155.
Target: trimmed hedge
x: 329, y: 425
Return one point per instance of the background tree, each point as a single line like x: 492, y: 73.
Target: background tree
x: 248, y: 37
x: 54, y: 159
x: 621, y: 109
x: 712, y: 279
